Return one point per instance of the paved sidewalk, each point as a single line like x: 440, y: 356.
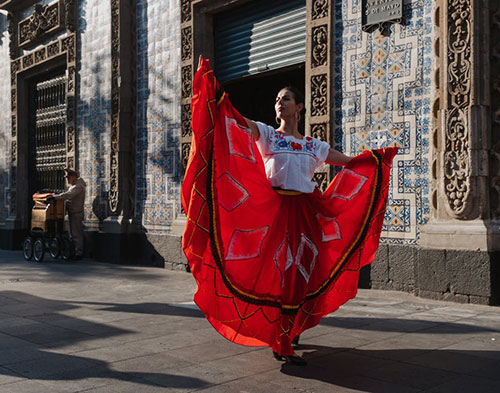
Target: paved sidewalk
x: 90, y: 327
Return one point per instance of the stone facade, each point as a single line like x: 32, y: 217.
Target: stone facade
x: 427, y: 84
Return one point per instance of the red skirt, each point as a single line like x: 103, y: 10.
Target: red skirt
x: 268, y: 264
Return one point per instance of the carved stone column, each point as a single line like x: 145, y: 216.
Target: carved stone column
x: 319, y: 80
x: 187, y: 61
x: 461, y: 197
x: 123, y: 113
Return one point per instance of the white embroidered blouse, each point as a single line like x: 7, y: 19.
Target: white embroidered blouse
x: 290, y: 162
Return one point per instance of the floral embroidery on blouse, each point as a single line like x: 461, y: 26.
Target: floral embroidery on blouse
x: 280, y: 143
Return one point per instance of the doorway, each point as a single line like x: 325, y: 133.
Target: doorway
x: 254, y: 96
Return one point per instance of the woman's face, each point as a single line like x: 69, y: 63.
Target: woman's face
x: 285, y: 105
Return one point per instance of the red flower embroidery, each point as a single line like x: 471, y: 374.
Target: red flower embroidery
x: 296, y: 146
x: 308, y: 138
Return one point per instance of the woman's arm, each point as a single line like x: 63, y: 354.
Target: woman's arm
x: 337, y: 158
x: 253, y: 127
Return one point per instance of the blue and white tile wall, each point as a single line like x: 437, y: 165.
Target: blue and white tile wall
x: 158, y: 114
x: 94, y: 104
x: 5, y: 122
x: 383, y: 94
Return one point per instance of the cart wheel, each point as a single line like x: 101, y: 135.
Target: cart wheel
x: 66, y: 249
x: 28, y: 248
x: 38, y: 250
x: 54, y: 247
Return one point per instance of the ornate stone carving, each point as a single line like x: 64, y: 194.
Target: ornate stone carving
x: 13, y: 152
x: 14, y: 68
x: 186, y: 81
x: 319, y: 9
x: 71, y: 162
x: 319, y: 101
x: 14, y: 126
x: 13, y: 99
x: 457, y: 159
x: 28, y: 60
x: 321, y: 179
x: 319, y: 46
x: 70, y: 138
x: 186, y: 120
x: 186, y: 149
x: 70, y: 15
x: 185, y: 10
x: 68, y: 45
x: 71, y: 80
x: 12, y: 29
x: 40, y: 55
x: 319, y: 131
x: 123, y: 103
x: 44, y: 19
x: 113, y: 180
x: 186, y: 43
x: 53, y: 49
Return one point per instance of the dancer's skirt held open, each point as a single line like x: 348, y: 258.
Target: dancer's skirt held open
x: 269, y: 266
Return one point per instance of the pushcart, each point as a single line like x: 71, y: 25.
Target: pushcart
x: 47, y: 230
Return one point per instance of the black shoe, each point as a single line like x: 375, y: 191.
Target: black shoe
x: 293, y: 359
x: 278, y: 357
x: 295, y: 341
x: 296, y: 360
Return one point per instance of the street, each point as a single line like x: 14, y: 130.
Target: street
x: 93, y: 327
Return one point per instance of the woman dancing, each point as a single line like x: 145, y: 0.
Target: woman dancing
x: 270, y: 253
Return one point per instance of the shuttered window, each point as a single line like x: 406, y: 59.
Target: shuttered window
x: 259, y: 36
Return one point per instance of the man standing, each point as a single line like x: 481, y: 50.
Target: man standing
x: 75, y: 198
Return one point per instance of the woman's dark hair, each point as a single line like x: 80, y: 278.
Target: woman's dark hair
x: 297, y: 94
x: 299, y: 99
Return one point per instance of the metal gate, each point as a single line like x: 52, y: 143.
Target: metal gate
x: 259, y: 36
x: 48, y: 134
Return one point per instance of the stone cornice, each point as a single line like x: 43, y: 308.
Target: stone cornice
x: 16, y: 5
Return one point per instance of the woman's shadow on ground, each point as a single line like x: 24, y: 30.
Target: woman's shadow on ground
x: 398, y: 370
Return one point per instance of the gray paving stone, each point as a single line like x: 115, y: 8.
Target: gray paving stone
x: 8, y: 377
x: 485, y: 346
x: 414, y: 376
x: 453, y: 361
x: 466, y: 384
x: 51, y: 364
x: 128, y: 329
x: 182, y: 379
x: 16, y: 354
x: 154, y: 363
x: 28, y: 386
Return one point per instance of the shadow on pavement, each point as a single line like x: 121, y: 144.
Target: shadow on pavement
x: 381, y: 371
x: 403, y: 325
x: 149, y: 308
x: 35, y: 330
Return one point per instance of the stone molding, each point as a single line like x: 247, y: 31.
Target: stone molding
x: 44, y: 21
x: 123, y: 108
x: 461, y: 215
x: 461, y: 108
x: 319, y: 78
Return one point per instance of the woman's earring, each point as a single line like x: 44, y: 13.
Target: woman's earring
x: 278, y: 122
x: 298, y: 117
